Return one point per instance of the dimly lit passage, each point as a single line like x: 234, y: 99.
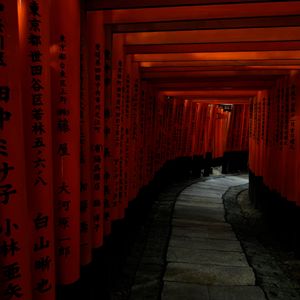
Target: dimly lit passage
x: 105, y: 105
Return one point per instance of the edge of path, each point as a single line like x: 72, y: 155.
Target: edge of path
x: 251, y: 230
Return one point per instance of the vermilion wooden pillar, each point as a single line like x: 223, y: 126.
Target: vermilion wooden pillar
x: 292, y: 182
x: 65, y: 83
x: 15, y: 279
x: 117, y: 98
x: 86, y: 225
x: 95, y: 30
x: 34, y: 24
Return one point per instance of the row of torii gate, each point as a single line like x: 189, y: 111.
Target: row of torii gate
x: 96, y: 97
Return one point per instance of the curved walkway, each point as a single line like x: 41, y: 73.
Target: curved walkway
x: 204, y: 258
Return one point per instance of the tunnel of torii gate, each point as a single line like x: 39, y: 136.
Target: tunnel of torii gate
x: 98, y: 97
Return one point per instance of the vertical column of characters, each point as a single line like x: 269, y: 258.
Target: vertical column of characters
x: 266, y: 134
x: 158, y: 133
x: 177, y: 125
x: 167, y: 128
x: 134, y: 174
x: 294, y: 132
x: 34, y: 27
x: 141, y: 133
x: 206, y: 126
x: 152, y: 128
x: 85, y: 157
x: 262, y: 132
x: 271, y: 139
x: 162, y: 124
x: 291, y: 167
x: 230, y: 135
x: 191, y: 127
x: 127, y: 129
x: 282, y: 161
x: 147, y: 162
x: 117, y: 96
x: 220, y: 131
x: 173, y: 127
x: 285, y: 138
x: 65, y: 81
x: 255, y: 129
x: 226, y: 129
x: 121, y: 210
x: 108, y: 123
x: 297, y: 132
x: 195, y: 128
x: 258, y: 136
x: 245, y: 143
x: 204, y: 109
x: 14, y: 251
x: 182, y: 127
x: 149, y: 131
x: 212, y: 124
x: 95, y: 29
x: 276, y: 149
x: 196, y: 131
x: 162, y: 128
x: 237, y: 127
x: 208, y: 129
x: 251, y: 112
x: 188, y: 124
x: 241, y: 125
x: 218, y: 127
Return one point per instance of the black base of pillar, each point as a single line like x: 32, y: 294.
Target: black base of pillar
x: 283, y: 216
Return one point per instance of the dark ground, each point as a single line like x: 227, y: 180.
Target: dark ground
x: 276, y: 268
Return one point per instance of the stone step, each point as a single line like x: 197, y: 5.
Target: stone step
x: 180, y: 291
x: 206, y: 257
x: 209, y: 275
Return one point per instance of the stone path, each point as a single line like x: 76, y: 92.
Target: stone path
x: 204, y: 258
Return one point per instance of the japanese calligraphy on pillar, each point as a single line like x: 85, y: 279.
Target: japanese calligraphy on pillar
x: 126, y: 128
x: 134, y: 121
x: 117, y: 96
x: 292, y: 119
x: 65, y: 81
x: 108, y: 157
x: 14, y: 256
x: 85, y: 157
x: 96, y: 89
x: 34, y: 40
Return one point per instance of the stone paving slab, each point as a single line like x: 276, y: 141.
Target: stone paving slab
x: 200, y: 192
x: 187, y: 222
x: 201, y: 226
x: 236, y: 293
x: 197, y: 203
x: 205, y: 244
x: 205, y: 231
x: 209, y: 257
x: 180, y: 291
x: 200, y: 234
x: 199, y: 213
x: 210, y: 274
x: 183, y: 197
